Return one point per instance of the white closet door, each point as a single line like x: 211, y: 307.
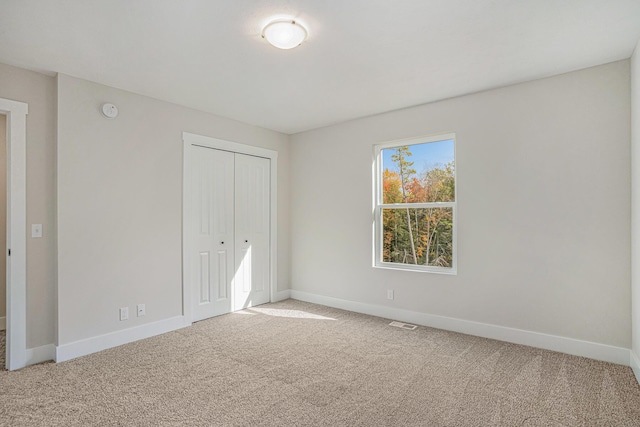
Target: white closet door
x: 252, y: 195
x: 212, y: 265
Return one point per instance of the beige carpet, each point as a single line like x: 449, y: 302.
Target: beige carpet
x: 3, y: 348
x: 299, y: 364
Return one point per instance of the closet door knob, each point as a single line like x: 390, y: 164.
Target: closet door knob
x: 222, y: 243
x: 246, y: 241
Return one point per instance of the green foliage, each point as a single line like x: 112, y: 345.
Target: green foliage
x: 422, y: 236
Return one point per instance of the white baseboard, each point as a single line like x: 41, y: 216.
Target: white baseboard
x: 283, y: 295
x: 40, y: 354
x: 572, y: 346
x: 115, y: 339
x: 3, y: 323
x: 635, y: 365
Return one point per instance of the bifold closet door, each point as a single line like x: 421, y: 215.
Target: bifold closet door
x: 252, y: 224
x: 212, y: 256
x: 230, y: 258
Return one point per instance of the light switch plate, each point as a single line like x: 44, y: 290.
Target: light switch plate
x: 36, y: 230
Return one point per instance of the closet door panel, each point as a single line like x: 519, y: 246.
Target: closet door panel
x: 252, y: 211
x: 213, y: 221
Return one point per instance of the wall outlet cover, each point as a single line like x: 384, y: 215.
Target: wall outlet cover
x: 36, y: 230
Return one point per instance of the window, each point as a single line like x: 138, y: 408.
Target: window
x: 415, y: 204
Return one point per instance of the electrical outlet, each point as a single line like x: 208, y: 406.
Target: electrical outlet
x: 36, y: 230
x: 389, y: 293
x: 141, y: 310
x: 124, y: 313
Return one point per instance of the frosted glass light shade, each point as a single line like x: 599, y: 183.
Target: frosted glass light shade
x: 284, y: 34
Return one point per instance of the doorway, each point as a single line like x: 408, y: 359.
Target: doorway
x: 15, y: 114
x: 229, y: 226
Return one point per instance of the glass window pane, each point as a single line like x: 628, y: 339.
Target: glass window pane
x: 419, y: 173
x: 430, y: 229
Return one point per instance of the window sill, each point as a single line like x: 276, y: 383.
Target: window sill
x: 418, y: 269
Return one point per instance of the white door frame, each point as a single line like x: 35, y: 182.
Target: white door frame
x: 16, y: 113
x: 190, y: 139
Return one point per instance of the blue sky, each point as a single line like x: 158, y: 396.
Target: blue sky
x: 425, y: 156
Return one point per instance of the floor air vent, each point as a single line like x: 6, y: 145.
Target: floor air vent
x: 403, y: 325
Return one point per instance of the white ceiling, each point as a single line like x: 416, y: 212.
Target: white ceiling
x: 362, y: 56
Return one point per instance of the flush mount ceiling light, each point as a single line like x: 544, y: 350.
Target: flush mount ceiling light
x: 284, y: 33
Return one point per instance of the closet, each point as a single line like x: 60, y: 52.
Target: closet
x: 229, y: 236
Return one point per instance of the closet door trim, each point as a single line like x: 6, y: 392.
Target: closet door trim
x: 189, y: 140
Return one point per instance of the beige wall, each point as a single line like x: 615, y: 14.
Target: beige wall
x: 39, y: 91
x: 3, y: 215
x: 635, y: 198
x: 543, y: 208
x: 120, y: 203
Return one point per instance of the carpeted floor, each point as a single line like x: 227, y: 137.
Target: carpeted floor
x: 3, y: 348
x: 298, y: 364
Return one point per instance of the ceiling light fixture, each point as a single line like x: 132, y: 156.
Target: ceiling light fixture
x: 284, y: 33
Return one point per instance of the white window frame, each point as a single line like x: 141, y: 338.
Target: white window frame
x: 378, y: 206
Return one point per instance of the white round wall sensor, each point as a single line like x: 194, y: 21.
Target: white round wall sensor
x: 110, y: 111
